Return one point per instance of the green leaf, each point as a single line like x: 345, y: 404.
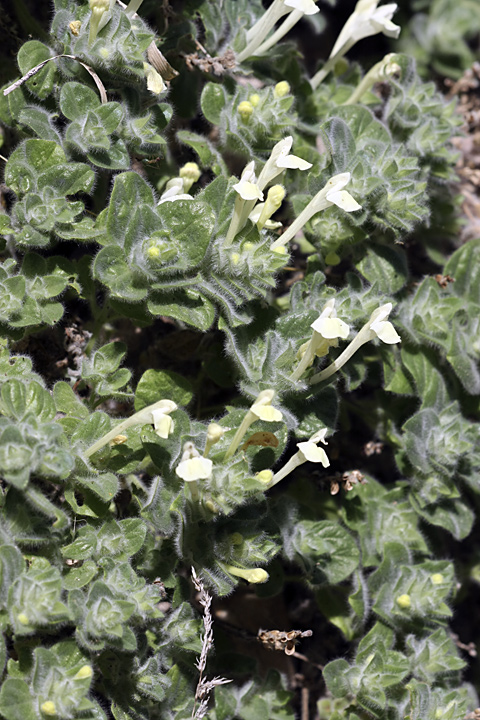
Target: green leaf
x: 16, y: 703
x: 76, y: 99
x: 328, y: 551
x: 32, y: 53
x: 384, y: 267
x: 156, y: 385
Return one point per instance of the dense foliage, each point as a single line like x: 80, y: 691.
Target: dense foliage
x: 273, y: 255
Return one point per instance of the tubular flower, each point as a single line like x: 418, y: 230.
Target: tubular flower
x: 101, y: 14
x: 381, y: 72
x: 327, y: 328
x: 366, y: 20
x: 376, y: 326
x: 307, y: 452
x: 332, y: 194
x: 260, y: 410
x: 257, y: 34
x: 148, y: 415
x: 280, y: 160
x: 249, y: 192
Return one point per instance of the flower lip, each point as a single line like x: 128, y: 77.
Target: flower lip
x: 248, y: 190
x: 307, y: 7
x: 331, y: 328
x: 195, y: 468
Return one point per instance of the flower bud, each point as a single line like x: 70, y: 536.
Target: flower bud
x: 281, y: 89
x: 437, y: 578
x: 84, y: 673
x: 245, y: 110
x: 48, y: 708
x: 254, y: 99
x: 190, y: 173
x: 404, y: 601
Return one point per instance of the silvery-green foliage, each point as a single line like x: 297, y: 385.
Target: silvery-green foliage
x: 178, y: 430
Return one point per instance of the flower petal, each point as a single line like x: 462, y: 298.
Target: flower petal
x: 331, y: 327
x: 266, y: 413
x: 196, y: 468
x: 248, y: 190
x: 386, y: 332
x: 312, y: 453
x: 343, y: 200
x: 293, y: 162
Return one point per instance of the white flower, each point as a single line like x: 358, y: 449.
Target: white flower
x: 262, y: 408
x: 328, y: 325
x: 309, y: 451
x: 247, y: 187
x: 381, y: 328
x: 366, y: 20
x: 193, y: 467
x: 331, y: 194
x: 279, y: 160
x: 336, y: 195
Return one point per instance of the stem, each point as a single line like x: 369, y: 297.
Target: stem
x: 289, y: 467
x: 234, y: 226
x: 260, y: 30
x: 133, y: 7
x: 246, y: 422
x: 322, y: 74
x: 360, y: 339
x: 305, y: 361
x: 284, y: 28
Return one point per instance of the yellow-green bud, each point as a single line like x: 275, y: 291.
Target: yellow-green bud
x: 251, y: 575
x: 333, y: 259
x: 272, y: 203
x: 23, y: 619
x: 437, y: 578
x: 215, y: 432
x: 404, y: 601
x: 254, y: 99
x: 281, y: 89
x: 280, y: 250
x: 264, y: 477
x: 84, y: 673
x: 235, y: 257
x: 48, y: 708
x: 190, y: 173
x: 245, y: 110
x: 248, y: 246
x: 236, y: 538
x: 153, y: 252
